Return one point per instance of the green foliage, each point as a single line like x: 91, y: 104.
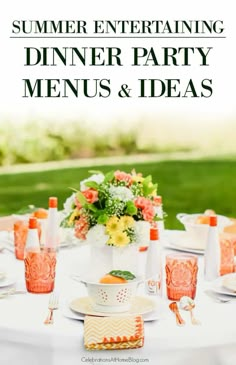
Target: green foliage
x: 103, y: 218
x: 41, y: 142
x: 148, y: 186
x: 186, y: 186
x: 131, y: 208
x: 92, y: 184
x: 81, y: 198
x: 109, y: 176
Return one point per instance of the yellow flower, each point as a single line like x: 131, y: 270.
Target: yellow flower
x: 127, y: 221
x: 73, y: 216
x: 119, y: 239
x: 114, y: 225
x: 137, y: 178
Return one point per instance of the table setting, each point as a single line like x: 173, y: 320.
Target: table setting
x: 97, y: 306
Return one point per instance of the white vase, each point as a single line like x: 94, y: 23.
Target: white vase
x: 126, y: 258
x: 104, y: 258
x: 100, y: 260
x: 142, y: 231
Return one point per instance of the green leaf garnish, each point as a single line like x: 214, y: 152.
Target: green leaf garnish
x: 127, y: 275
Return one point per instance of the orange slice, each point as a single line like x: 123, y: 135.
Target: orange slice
x: 40, y: 213
x: 110, y: 279
x: 202, y: 219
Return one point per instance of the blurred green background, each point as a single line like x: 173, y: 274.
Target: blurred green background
x: 47, y: 140
x: 186, y: 186
x: 194, y: 165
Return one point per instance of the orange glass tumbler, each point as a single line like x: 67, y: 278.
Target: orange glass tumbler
x: 181, y: 276
x: 20, y: 235
x: 227, y: 242
x: 40, y: 271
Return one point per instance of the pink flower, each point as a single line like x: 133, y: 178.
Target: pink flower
x: 81, y: 227
x: 123, y: 176
x: 142, y: 202
x: 157, y: 200
x: 147, y: 208
x: 91, y: 195
x: 148, y: 213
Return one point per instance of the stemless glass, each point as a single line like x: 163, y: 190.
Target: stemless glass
x: 20, y: 235
x: 40, y: 270
x: 181, y: 275
x: 227, y: 242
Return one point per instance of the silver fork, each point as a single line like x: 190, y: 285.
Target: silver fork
x: 52, y: 305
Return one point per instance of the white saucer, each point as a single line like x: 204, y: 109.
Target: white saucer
x: 181, y: 241
x: 140, y: 305
x: 225, y: 284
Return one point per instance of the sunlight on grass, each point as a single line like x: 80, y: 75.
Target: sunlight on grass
x: 39, y: 142
x: 186, y: 186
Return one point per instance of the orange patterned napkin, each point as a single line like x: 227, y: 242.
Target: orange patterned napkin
x: 112, y: 333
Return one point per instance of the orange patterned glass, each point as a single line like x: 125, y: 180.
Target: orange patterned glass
x: 227, y: 253
x: 40, y: 271
x: 20, y: 235
x: 181, y: 276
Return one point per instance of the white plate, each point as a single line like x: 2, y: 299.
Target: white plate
x: 7, y: 241
x: 21, y: 216
x: 181, y: 241
x: 6, y: 237
x: 7, y: 281
x: 154, y: 315
x: 218, y: 285
x: 140, y: 305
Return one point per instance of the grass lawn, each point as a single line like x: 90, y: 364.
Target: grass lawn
x: 186, y: 186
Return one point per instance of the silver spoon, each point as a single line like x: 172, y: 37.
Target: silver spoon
x: 187, y: 304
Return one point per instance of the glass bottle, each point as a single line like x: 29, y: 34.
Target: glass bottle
x: 153, y: 272
x: 52, y: 231
x: 212, y: 252
x: 160, y: 214
x: 32, y: 240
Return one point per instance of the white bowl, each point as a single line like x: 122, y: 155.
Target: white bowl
x: 113, y: 298
x: 198, y: 232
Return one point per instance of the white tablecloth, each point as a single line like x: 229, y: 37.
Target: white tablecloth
x: 25, y: 340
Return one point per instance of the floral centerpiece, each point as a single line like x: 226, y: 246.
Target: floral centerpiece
x: 112, y: 208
